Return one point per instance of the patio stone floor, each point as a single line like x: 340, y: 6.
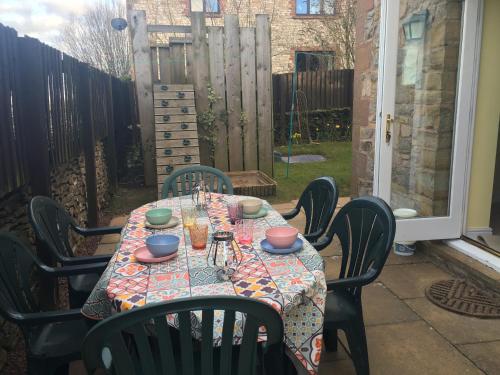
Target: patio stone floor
x: 406, y: 333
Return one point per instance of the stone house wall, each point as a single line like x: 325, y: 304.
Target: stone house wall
x: 424, y: 115
x: 68, y: 188
x: 289, y: 32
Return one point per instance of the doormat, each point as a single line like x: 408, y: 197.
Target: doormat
x: 461, y: 297
x: 306, y: 158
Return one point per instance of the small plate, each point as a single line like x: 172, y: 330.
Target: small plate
x: 143, y: 255
x: 262, y: 212
x: 266, y: 246
x: 174, y: 221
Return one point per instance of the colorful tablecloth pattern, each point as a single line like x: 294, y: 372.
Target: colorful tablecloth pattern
x: 293, y: 284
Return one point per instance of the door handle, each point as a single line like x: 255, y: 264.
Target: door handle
x: 388, y: 128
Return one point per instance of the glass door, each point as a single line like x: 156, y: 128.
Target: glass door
x: 427, y: 58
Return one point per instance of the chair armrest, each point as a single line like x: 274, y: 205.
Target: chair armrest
x: 46, y: 317
x: 87, y: 232
x: 322, y: 243
x: 70, y: 261
x: 291, y: 214
x: 78, y: 269
x: 350, y: 282
x: 312, y: 237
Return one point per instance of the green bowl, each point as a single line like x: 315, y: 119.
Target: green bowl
x: 159, y: 216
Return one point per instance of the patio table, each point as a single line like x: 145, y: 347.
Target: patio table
x: 293, y: 284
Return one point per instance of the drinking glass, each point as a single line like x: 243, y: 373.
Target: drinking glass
x: 198, y: 233
x: 244, y: 231
x: 235, y: 211
x: 189, y: 215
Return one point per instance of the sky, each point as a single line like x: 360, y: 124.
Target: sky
x: 41, y: 19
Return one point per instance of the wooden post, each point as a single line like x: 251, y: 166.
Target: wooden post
x: 264, y: 93
x: 34, y: 115
x: 200, y: 77
x: 144, y: 88
x: 233, y: 90
x: 248, y: 98
x: 88, y: 142
x: 111, y: 140
x: 217, y: 80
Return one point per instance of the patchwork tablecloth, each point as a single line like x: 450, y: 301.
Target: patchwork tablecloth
x: 293, y: 284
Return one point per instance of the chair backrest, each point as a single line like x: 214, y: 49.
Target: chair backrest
x: 182, y: 181
x: 140, y: 341
x: 17, y: 265
x: 365, y: 227
x: 319, y: 200
x: 51, y: 224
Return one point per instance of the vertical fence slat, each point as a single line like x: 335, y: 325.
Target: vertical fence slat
x: 189, y: 62
x: 233, y: 90
x: 165, y: 65
x: 217, y: 81
x: 201, y: 78
x: 248, y: 95
x: 283, y: 85
x: 177, y: 58
x: 144, y: 87
x: 154, y: 64
x: 264, y: 100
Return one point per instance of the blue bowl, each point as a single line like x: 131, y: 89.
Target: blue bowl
x: 161, y: 245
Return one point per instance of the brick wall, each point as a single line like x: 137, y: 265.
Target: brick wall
x: 288, y: 31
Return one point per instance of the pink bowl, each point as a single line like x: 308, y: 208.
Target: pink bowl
x: 281, y: 237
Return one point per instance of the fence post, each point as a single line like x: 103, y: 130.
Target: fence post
x: 265, y: 92
x: 88, y: 142
x: 144, y: 87
x: 110, y: 139
x: 200, y: 77
x: 34, y: 115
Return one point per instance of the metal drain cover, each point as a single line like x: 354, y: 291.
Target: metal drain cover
x: 464, y: 298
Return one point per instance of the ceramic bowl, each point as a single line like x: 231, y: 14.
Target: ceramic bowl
x: 281, y: 237
x: 161, y: 245
x: 251, y: 206
x: 159, y: 216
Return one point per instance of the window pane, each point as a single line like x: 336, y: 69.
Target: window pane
x: 301, y: 6
x: 328, y: 6
x: 315, y: 8
x: 212, y: 6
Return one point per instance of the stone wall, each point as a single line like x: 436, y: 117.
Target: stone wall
x: 289, y: 32
x: 68, y: 187
x: 425, y: 97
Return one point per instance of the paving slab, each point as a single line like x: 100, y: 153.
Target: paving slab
x: 118, y: 221
x: 104, y: 249
x: 414, y: 348
x: 380, y: 306
x: 339, y: 355
x: 417, y: 257
x: 343, y: 367
x: 411, y: 280
x: 110, y: 238
x: 332, y: 267
x: 485, y: 355
x: 456, y: 328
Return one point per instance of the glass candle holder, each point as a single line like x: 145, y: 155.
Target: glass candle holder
x: 198, y: 233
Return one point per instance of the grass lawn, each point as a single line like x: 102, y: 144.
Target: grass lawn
x: 337, y: 165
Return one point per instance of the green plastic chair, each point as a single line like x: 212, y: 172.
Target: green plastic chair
x: 52, y: 338
x: 140, y: 341
x: 182, y: 181
x: 365, y: 228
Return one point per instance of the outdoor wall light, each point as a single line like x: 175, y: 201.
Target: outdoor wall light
x: 414, y: 27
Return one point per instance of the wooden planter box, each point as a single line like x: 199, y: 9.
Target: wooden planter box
x: 253, y: 183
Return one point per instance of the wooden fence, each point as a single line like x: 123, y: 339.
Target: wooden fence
x: 322, y: 89
x: 53, y: 108
x: 236, y: 63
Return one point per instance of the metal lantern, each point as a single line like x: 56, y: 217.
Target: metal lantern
x: 224, y: 254
x: 201, y: 195
x: 414, y: 26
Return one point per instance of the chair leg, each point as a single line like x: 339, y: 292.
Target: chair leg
x: 330, y: 339
x: 356, y: 338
